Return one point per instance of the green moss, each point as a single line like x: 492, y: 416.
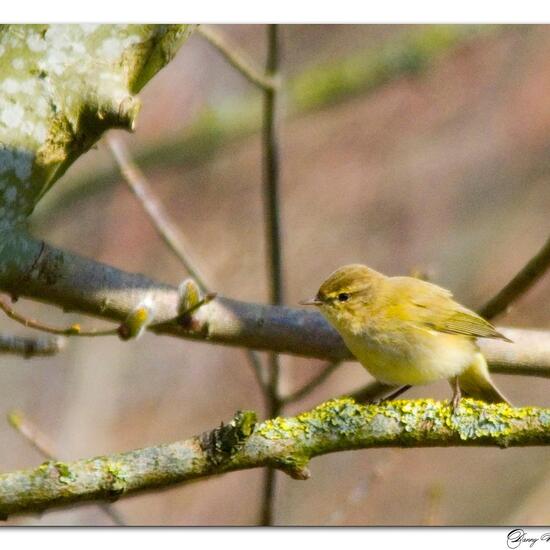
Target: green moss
x: 116, y: 479
x: 343, y: 414
x: 64, y: 471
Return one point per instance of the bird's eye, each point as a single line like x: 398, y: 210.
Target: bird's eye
x: 343, y: 297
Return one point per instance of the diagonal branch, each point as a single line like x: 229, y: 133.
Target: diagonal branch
x: 168, y: 232
x: 284, y: 443
x: 316, y: 381
x: 236, y: 58
x: 533, y: 270
x: 139, y: 185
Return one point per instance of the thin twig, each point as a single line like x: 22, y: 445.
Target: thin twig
x: 166, y: 229
x: 236, y: 58
x: 138, y: 184
x: 364, y: 487
x: 27, y: 346
x: 42, y: 443
x: 308, y: 387
x: 529, y: 274
x: 434, y: 493
x: 73, y: 330
x: 273, y: 237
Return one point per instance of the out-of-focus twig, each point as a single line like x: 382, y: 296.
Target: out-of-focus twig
x: 27, y: 346
x: 236, y: 58
x: 73, y: 330
x: 434, y: 498
x: 273, y: 237
x: 308, y: 387
x: 42, y: 443
x: 168, y: 232
x: 529, y: 274
x: 364, y: 486
x: 140, y: 187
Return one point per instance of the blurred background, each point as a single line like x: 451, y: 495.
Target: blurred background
x: 404, y: 147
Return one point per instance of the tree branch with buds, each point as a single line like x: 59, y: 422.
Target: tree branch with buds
x: 30, y: 268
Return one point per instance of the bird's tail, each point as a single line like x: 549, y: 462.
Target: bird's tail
x: 476, y: 382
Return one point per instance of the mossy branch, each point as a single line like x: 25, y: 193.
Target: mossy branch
x: 62, y: 87
x: 284, y: 443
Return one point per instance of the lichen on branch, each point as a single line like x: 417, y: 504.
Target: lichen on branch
x: 284, y: 443
x: 61, y: 87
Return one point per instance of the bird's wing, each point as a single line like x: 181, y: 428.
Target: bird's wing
x: 433, y: 307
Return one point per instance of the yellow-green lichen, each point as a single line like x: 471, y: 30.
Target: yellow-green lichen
x: 116, y: 479
x: 475, y: 420
x: 64, y: 471
x: 405, y: 422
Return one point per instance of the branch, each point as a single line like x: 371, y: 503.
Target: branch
x: 36, y: 270
x: 521, y: 283
x: 31, y: 347
x: 236, y: 58
x: 57, y: 101
x: 284, y: 443
x: 44, y: 446
x: 271, y: 192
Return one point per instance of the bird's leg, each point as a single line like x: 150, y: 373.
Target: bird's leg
x: 457, y: 394
x: 392, y: 395
x: 398, y: 392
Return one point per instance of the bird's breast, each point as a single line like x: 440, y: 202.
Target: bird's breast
x: 413, y: 357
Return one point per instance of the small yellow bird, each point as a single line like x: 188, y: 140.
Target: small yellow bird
x: 408, y: 332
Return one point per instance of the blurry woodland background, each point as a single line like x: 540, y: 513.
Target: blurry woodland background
x: 404, y: 147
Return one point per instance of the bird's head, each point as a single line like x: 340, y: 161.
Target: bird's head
x: 346, y: 297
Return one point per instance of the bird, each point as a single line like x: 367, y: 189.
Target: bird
x: 408, y: 332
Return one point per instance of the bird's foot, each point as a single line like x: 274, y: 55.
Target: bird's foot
x: 455, y: 403
x: 457, y: 394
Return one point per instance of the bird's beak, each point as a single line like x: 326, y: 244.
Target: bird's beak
x: 311, y: 302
